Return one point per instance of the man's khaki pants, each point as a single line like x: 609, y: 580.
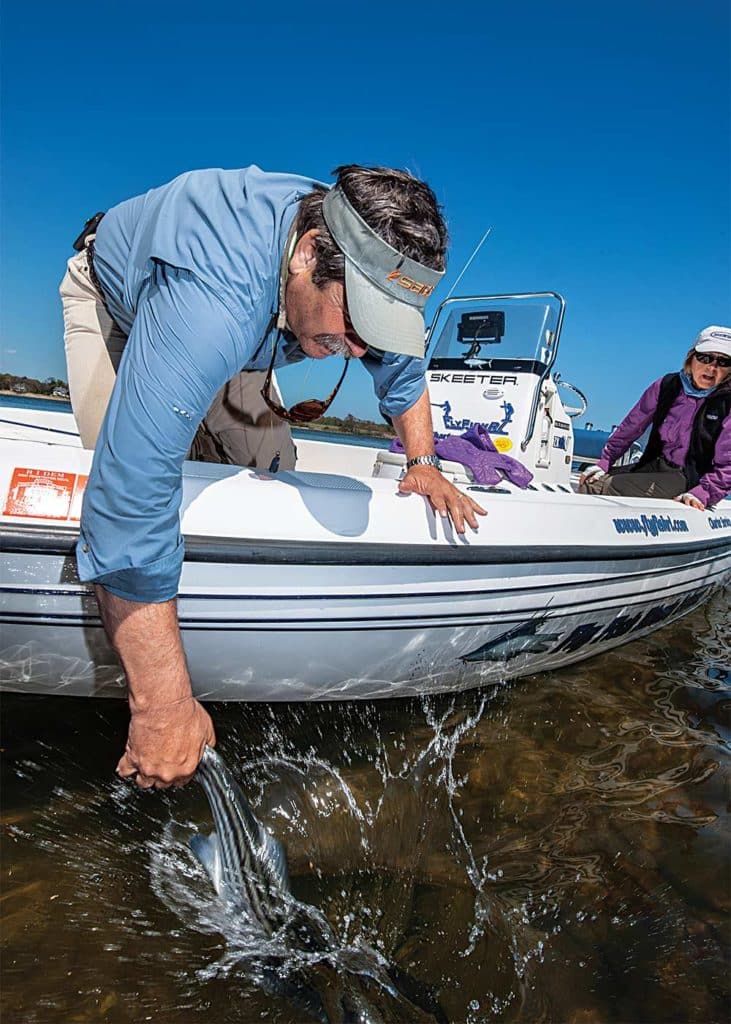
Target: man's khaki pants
x: 239, y: 427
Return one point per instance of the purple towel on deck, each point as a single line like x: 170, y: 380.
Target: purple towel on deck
x: 476, y: 450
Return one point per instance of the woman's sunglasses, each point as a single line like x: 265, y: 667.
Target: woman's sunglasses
x: 302, y: 412
x: 708, y: 360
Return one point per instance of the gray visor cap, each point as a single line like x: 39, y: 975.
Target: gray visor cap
x: 386, y: 292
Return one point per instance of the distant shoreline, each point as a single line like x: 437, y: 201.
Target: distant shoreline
x: 32, y: 394
x: 329, y: 428
x: 336, y: 429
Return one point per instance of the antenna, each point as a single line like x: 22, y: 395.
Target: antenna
x: 464, y: 268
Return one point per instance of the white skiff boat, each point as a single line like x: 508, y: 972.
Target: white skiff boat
x: 323, y: 583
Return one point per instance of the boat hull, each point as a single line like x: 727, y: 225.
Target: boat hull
x: 376, y: 624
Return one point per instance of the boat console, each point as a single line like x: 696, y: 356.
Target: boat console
x: 490, y: 363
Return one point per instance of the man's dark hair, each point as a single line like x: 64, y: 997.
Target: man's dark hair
x: 400, y: 208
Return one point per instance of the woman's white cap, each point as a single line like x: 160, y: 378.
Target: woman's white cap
x: 714, y: 339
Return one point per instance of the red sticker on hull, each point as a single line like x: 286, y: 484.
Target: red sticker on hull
x: 44, y: 494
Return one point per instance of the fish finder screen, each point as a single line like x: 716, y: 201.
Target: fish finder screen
x: 486, y: 327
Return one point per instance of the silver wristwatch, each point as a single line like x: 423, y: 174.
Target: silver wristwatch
x: 424, y: 460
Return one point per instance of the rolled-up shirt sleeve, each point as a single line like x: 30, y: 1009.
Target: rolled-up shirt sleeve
x: 632, y: 426
x: 398, y: 381
x: 716, y: 484
x: 183, y: 346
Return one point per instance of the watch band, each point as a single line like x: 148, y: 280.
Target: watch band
x: 424, y: 460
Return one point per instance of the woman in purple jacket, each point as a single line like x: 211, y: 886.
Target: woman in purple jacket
x: 688, y: 454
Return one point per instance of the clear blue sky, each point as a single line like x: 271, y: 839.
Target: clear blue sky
x: 594, y: 137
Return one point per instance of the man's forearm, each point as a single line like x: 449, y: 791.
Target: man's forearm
x: 147, y: 639
x: 169, y: 729
x: 415, y: 429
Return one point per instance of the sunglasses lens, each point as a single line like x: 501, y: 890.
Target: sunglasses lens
x: 306, y: 412
x: 708, y: 360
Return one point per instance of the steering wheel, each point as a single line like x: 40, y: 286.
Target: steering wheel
x: 570, y: 410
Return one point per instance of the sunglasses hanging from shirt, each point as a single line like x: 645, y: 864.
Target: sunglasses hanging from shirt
x: 302, y: 412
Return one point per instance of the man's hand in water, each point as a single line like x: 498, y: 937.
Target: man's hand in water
x: 165, y: 743
x: 169, y: 729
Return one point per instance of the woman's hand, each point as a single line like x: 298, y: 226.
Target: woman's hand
x: 690, y: 499
x: 592, y: 473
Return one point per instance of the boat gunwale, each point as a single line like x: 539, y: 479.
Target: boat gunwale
x: 35, y: 539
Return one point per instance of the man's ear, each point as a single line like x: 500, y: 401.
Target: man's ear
x: 304, y: 257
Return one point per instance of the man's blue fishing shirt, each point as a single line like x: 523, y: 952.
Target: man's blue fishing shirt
x: 191, y: 272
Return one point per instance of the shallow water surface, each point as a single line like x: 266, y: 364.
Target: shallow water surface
x: 553, y: 850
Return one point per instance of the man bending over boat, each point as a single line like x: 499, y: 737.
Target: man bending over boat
x: 688, y: 454
x: 193, y: 282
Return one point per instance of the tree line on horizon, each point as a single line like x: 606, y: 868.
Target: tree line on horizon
x: 8, y: 381
x: 352, y: 425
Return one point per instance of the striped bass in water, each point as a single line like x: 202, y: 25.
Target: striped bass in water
x: 248, y: 866
x: 248, y: 869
